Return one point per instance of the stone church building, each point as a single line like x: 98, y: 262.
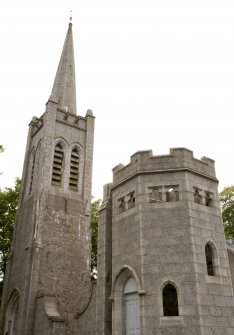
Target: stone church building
x: 164, y: 267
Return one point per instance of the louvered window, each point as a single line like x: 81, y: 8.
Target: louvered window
x: 74, y: 170
x: 57, y: 165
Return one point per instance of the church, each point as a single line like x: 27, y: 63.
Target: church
x: 164, y: 266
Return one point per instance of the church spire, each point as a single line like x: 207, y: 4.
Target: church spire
x: 64, y: 88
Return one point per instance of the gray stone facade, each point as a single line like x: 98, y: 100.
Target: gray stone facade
x: 163, y: 264
x: 157, y: 218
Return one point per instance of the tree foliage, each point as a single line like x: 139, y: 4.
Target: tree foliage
x: 8, y: 206
x: 227, y: 204
x: 94, y: 232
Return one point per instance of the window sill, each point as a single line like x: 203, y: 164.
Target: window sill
x: 171, y: 321
x: 213, y: 280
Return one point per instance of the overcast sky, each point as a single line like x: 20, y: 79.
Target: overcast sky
x: 157, y: 75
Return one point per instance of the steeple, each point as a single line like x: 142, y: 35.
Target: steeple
x: 64, y: 88
x: 52, y: 247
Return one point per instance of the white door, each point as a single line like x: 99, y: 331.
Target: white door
x: 131, y: 313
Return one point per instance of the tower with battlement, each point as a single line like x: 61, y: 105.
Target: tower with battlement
x: 48, y: 273
x: 163, y: 261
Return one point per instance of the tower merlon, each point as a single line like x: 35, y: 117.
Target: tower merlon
x: 89, y: 112
x: 179, y: 159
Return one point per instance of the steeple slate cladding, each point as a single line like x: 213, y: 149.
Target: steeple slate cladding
x: 64, y: 88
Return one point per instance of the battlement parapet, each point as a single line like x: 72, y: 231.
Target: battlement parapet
x: 178, y: 159
x: 74, y: 120
x: 65, y: 117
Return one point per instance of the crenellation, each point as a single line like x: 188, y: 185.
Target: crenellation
x: 72, y: 120
x: 179, y: 159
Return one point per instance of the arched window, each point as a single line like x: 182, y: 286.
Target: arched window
x: 32, y: 167
x: 170, y: 301
x: 209, y: 259
x: 74, y: 170
x: 57, y: 165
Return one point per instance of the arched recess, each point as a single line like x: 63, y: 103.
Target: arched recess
x: 12, y: 317
x: 211, y: 257
x: 36, y: 167
x: 230, y: 253
x: 31, y: 167
x: 76, y: 168
x: 118, y: 297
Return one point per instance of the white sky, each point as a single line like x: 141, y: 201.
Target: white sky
x: 156, y: 73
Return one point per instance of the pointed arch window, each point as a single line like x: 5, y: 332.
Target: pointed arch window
x: 209, y: 259
x: 170, y: 301
x: 32, y: 172
x: 57, y: 165
x: 74, y: 170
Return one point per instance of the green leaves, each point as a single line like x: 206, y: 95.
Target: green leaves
x: 8, y: 206
x: 227, y: 204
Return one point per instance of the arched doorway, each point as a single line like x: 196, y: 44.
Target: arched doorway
x: 131, y: 307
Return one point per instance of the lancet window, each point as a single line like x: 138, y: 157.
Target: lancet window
x: 170, y: 301
x: 209, y: 260
x: 74, y: 170
x: 57, y: 165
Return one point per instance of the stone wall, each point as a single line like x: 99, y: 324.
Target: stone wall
x: 86, y: 319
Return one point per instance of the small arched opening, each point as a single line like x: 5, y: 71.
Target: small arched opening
x: 209, y: 259
x: 170, y: 301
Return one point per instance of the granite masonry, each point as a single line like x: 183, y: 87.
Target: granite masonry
x: 164, y: 266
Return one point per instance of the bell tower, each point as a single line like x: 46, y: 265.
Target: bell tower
x: 48, y: 273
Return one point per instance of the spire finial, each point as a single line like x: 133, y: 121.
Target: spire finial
x: 70, y: 16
